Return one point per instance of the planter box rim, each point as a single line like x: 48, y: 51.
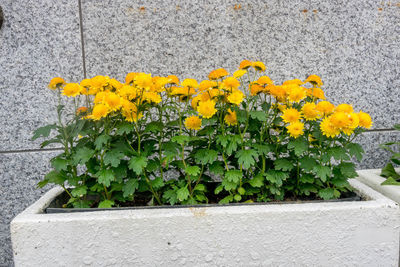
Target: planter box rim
x: 35, y: 212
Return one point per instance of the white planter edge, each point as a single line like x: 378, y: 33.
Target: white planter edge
x: 360, y: 233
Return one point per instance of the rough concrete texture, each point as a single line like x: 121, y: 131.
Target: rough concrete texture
x: 19, y: 174
x: 358, y: 233
x: 372, y: 178
x: 352, y: 45
x: 39, y: 40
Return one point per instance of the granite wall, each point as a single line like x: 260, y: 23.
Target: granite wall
x: 353, y: 45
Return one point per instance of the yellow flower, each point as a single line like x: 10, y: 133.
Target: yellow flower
x: 130, y: 77
x: 56, y: 82
x: 207, y: 84
x: 309, y: 111
x: 131, y: 116
x: 346, y: 108
x: 259, y: 66
x: 278, y: 91
x: 296, y: 93
x: 294, y: 81
x: 72, y: 89
x: 316, y: 92
x: 215, y: 93
x: 291, y: 115
x: 231, y: 83
x: 86, y: 84
x: 127, y: 91
x: 113, y: 101
x: 325, y: 107
x: 239, y: 73
x: 173, y: 79
x: 193, y: 123
x: 230, y: 118
x: 192, y: 83
x: 207, y: 109
x: 245, y: 64
x: 152, y: 97
x: 99, y: 98
x: 159, y: 83
x: 81, y: 110
x: 217, y: 74
x: 99, y: 82
x: 183, y: 91
x: 115, y: 84
x: 364, y: 120
x: 295, y: 129
x: 314, y: 79
x: 340, y: 120
x: 255, y: 89
x: 236, y: 97
x: 144, y: 81
x: 195, y: 101
x: 354, y: 120
x: 99, y: 111
x: 327, y: 128
x: 263, y: 80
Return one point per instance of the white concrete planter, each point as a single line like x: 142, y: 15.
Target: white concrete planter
x: 373, y: 179
x: 357, y: 233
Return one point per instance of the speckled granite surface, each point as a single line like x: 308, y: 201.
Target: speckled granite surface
x: 353, y: 45
x: 38, y: 41
x: 19, y: 174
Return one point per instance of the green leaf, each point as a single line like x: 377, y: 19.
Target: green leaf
x: 192, y: 170
x: 80, y: 204
x: 124, y: 128
x: 59, y: 164
x: 79, y: 191
x: 130, y: 187
x: 82, y: 155
x: 223, y: 140
x: 154, y: 127
x: 157, y: 183
x: 182, y: 193
x: 276, y: 177
x: 327, y: 193
x: 348, y: 169
x: 226, y: 200
x: 152, y: 165
x: 218, y: 189
x: 233, y: 176
x: 234, y: 140
x: 307, y: 163
x: 105, y: 177
x: 338, y: 153
x: 204, y: 156
x: 390, y: 181
x: 228, y: 185
x: 263, y: 149
x: 258, y: 115
x: 216, y: 168
x: 43, y: 131
x: 257, y: 181
x: 56, y: 177
x: 299, y: 145
x: 42, y: 183
x: 307, y: 178
x: 323, y: 172
x: 389, y: 171
x: 106, y: 204
x: 137, y: 164
x: 200, y: 187
x: 237, y: 197
x: 56, y: 140
x: 241, y: 190
x: 283, y: 164
x: 247, y: 157
x: 356, y: 150
x: 180, y: 139
x: 170, y: 196
x: 101, y: 141
x: 397, y: 127
x: 113, y: 157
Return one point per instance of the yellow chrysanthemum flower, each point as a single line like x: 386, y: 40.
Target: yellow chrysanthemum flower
x: 278, y: 91
x: 259, y: 66
x: 192, y: 83
x: 325, y: 107
x: 245, y: 64
x: 207, y: 84
x: 195, y: 101
x: 152, y: 97
x: 217, y: 74
x: 113, y: 101
x: 354, y: 120
x: 215, y: 93
x: 115, y: 84
x: 99, y: 98
x: 327, y: 128
x: 173, y: 79
x: 132, y: 115
x: 295, y: 129
x: 296, y: 93
x: 99, y: 111
x: 291, y: 115
x: 291, y: 82
x: 239, y: 73
x: 99, y: 82
x: 183, y: 91
x: 230, y: 118
x: 340, y: 120
x: 309, y: 111
x: 127, y: 91
x: 231, y: 83
x: 72, y: 89
x: 314, y: 79
x: 56, y: 82
x: 316, y: 92
x: 207, y: 109
x: 144, y: 81
x: 130, y: 77
x: 255, y: 89
x: 265, y: 80
x: 364, y: 120
x: 193, y: 123
x: 81, y: 110
x: 236, y: 97
x: 346, y: 108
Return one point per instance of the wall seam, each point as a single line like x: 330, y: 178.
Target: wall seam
x: 82, y: 40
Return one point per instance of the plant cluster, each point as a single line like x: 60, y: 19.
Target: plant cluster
x: 389, y: 172
x: 230, y: 138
